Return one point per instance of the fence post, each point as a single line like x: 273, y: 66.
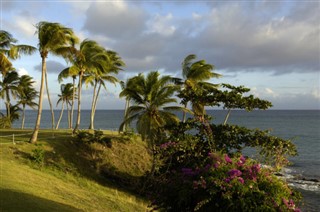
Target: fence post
x: 13, y: 139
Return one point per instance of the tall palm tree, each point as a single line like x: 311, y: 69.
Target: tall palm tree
x: 9, y: 87
x: 65, y: 73
x: 128, y: 88
x: 27, y: 95
x: 52, y: 37
x: 195, y: 75
x: 88, y: 57
x: 100, y: 75
x: 10, y: 50
x: 65, y: 97
x: 127, y: 104
x: 150, y: 96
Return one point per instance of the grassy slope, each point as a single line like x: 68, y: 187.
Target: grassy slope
x: 71, y: 178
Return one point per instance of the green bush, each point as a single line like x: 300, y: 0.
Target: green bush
x: 37, y: 156
x: 201, y: 168
x: 218, y: 183
x: 97, y: 136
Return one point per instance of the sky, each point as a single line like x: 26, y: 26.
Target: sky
x: 271, y: 47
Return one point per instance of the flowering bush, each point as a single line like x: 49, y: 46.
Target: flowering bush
x: 214, y: 181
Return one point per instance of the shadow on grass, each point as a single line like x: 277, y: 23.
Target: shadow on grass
x: 83, y: 159
x: 11, y: 200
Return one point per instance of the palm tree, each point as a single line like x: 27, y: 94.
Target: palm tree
x: 128, y: 88
x: 65, y: 73
x: 6, y: 121
x: 150, y: 96
x: 195, y: 75
x: 26, y: 94
x: 101, y: 74
x: 127, y: 104
x: 10, y: 50
x: 52, y: 37
x: 65, y: 97
x: 9, y: 86
x: 89, y: 57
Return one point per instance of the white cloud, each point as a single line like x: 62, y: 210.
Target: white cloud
x: 162, y: 25
x: 22, y: 71
x: 115, y: 19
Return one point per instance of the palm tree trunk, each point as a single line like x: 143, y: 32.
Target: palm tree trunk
x: 68, y: 114
x: 91, y: 127
x: 61, y: 113
x: 23, y: 115
x: 8, y: 103
x: 72, y: 106
x: 184, y: 112
x: 125, y: 126
x: 227, y: 117
x: 34, y: 136
x: 50, y: 104
x: 95, y: 104
x: 79, y: 101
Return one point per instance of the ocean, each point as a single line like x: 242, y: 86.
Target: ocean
x: 300, y: 126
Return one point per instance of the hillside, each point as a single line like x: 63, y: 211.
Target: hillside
x: 71, y: 176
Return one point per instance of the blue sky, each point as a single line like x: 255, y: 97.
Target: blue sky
x: 271, y: 47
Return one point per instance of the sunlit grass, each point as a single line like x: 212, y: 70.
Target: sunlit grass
x: 70, y: 179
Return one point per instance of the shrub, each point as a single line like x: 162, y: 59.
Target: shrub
x: 97, y: 136
x: 37, y: 156
x: 218, y: 183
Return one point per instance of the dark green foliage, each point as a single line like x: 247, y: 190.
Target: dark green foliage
x: 87, y: 137
x: 37, y: 156
x: 202, y: 170
x: 233, y: 138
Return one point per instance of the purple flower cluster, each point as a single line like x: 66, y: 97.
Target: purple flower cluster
x: 227, y: 159
x: 253, y: 171
x: 234, y: 173
x: 242, y: 161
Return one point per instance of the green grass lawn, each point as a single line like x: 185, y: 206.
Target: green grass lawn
x: 72, y: 177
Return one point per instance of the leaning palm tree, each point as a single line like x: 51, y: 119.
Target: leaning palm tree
x: 150, y: 96
x: 65, y: 97
x: 10, y: 50
x: 100, y: 75
x: 65, y: 73
x: 88, y: 57
x: 26, y: 95
x: 52, y: 37
x: 195, y: 75
x: 9, y: 87
x: 128, y: 88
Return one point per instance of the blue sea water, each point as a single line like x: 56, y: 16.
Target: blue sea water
x: 300, y: 126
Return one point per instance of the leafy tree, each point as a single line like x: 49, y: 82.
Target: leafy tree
x: 65, y: 73
x: 84, y: 60
x: 26, y: 95
x: 195, y: 76
x: 126, y: 90
x: 6, y: 121
x: 100, y: 75
x: 10, y: 50
x: 52, y: 38
x: 65, y: 97
x: 150, y: 95
x: 9, y: 86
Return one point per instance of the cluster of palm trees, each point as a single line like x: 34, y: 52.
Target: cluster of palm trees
x: 11, y: 84
x: 150, y: 99
x: 91, y: 63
